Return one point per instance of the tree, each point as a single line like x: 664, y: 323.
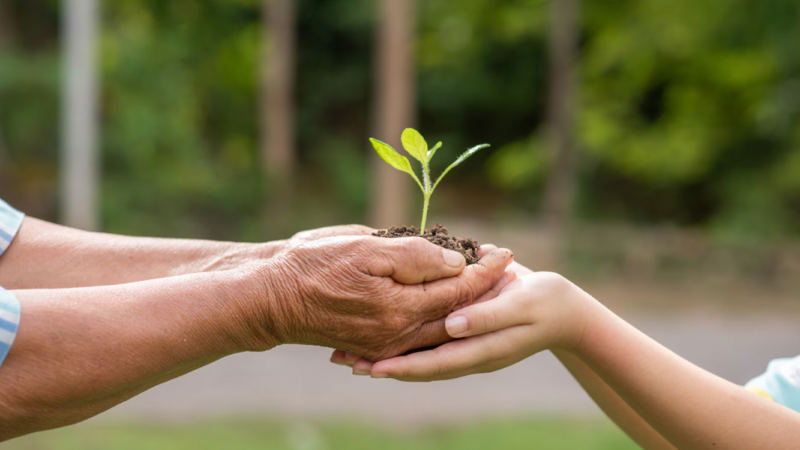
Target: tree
x: 394, y: 107
x: 563, y: 48
x: 277, y: 143
x: 4, y: 34
x: 80, y: 161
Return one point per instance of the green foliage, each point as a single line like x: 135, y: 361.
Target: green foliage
x: 519, y: 165
x: 415, y: 145
x: 688, y: 112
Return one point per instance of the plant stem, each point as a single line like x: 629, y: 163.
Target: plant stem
x: 424, y: 213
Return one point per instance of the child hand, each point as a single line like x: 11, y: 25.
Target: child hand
x: 538, y: 311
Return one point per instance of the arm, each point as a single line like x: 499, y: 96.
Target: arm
x: 689, y: 407
x: 45, y: 255
x: 605, y: 397
x: 613, y: 405
x: 81, y: 351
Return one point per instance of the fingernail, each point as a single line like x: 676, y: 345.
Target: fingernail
x: 361, y: 372
x: 456, y: 325
x: 453, y: 259
x: 338, y: 363
x: 381, y: 375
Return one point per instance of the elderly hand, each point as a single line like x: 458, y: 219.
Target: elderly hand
x: 307, y: 236
x: 371, y: 296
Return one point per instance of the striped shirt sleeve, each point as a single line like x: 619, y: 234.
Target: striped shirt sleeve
x: 10, y: 221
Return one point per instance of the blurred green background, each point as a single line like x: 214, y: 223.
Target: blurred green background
x: 684, y: 148
x: 688, y: 113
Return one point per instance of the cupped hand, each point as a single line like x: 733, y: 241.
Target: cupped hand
x: 525, y: 313
x: 373, y: 296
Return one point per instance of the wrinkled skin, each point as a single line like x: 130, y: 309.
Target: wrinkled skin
x: 371, y: 296
x: 307, y: 236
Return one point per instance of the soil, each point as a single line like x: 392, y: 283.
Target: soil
x: 439, y: 236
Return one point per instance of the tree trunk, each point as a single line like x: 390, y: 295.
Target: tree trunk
x: 563, y: 54
x: 79, y: 160
x: 5, y: 35
x: 394, y: 109
x: 5, y: 26
x: 277, y: 98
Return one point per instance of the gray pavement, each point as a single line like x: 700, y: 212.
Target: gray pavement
x: 299, y: 383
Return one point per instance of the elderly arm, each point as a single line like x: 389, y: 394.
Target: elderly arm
x: 45, y: 255
x: 81, y: 351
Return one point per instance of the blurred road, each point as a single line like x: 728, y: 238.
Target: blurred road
x: 298, y: 382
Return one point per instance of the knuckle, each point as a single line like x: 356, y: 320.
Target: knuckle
x: 464, y: 294
x: 440, y: 369
x: 396, y: 323
x: 414, y: 247
x: 490, y: 319
x: 552, y: 282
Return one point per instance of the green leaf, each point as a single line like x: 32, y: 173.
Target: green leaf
x: 458, y: 161
x: 415, y: 145
x: 394, y: 159
x: 432, y: 151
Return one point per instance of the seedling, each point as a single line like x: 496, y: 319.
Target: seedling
x: 416, y: 146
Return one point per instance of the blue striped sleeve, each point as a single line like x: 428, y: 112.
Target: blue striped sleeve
x: 10, y: 221
x: 9, y: 321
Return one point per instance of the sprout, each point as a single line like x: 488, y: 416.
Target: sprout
x: 416, y: 146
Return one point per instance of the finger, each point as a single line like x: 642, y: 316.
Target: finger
x: 350, y: 358
x: 445, y: 296
x: 412, y: 260
x: 508, y: 277
x: 337, y: 357
x: 502, y: 312
x: 429, y: 335
x: 485, y: 249
x: 435, y: 333
x: 442, y: 297
x: 519, y: 269
x: 362, y: 367
x: 477, y: 354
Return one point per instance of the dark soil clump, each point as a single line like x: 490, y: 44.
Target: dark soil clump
x: 439, y: 236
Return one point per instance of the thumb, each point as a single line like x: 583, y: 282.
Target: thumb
x: 413, y: 260
x: 496, y: 314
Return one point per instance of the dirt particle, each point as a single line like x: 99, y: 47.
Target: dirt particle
x: 439, y: 236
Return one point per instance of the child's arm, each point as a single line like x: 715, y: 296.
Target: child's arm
x: 691, y: 408
x: 613, y: 405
